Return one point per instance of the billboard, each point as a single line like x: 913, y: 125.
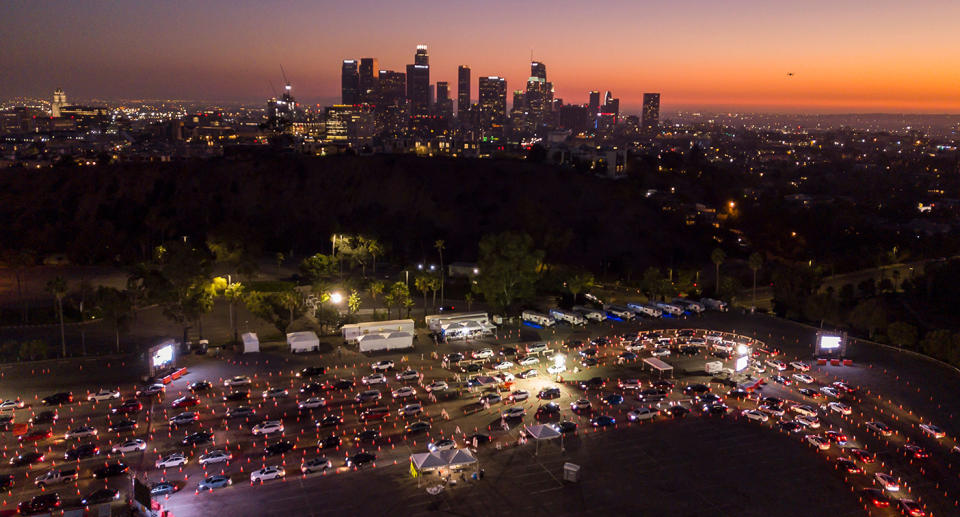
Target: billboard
x: 831, y: 344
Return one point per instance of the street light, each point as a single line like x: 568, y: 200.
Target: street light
x: 336, y: 298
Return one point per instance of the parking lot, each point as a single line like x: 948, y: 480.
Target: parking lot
x: 698, y: 465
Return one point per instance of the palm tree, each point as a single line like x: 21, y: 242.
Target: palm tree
x: 233, y: 292
x: 422, y: 284
x: 288, y: 300
x: 18, y: 261
x: 579, y: 283
x: 756, y: 262
x: 376, y: 288
x: 375, y: 249
x: 58, y: 288
x: 468, y: 298
x: 280, y: 258
x: 718, y: 257
x: 117, y: 306
x: 435, y: 285
x: 439, y: 245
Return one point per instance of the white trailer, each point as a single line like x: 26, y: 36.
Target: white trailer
x: 619, y: 311
x: 691, y: 305
x: 538, y: 318
x: 305, y: 341
x: 435, y: 322
x: 571, y: 317
x: 713, y: 367
x: 590, y: 314
x: 714, y: 304
x: 645, y: 310
x: 353, y: 331
x: 670, y: 308
x: 387, y: 341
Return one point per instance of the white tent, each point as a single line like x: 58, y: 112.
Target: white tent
x: 429, y: 461
x: 658, y: 365
x: 390, y: 341
x: 460, y: 457
x: 354, y: 331
x: 541, y: 432
x: 303, y: 341
x: 251, y: 343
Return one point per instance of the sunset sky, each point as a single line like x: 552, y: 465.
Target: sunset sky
x: 846, y: 56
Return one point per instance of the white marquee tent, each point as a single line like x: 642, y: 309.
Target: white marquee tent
x: 303, y: 341
x: 251, y: 343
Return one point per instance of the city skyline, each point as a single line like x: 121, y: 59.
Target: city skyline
x: 818, y: 58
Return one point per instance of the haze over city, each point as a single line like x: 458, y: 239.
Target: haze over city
x: 816, y: 56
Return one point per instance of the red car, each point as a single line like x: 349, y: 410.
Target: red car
x: 128, y: 406
x: 375, y: 414
x: 917, y: 451
x: 836, y: 436
x: 186, y: 402
x: 36, y: 436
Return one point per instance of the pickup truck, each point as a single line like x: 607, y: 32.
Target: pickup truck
x: 55, y: 477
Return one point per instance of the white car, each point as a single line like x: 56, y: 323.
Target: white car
x: 519, y: 395
x: 581, y: 404
x: 840, y: 407
x: 503, y: 365
x: 771, y: 410
x: 630, y: 384
x: 818, y: 441
x: 635, y: 347
x: 800, y: 366
x: 753, y: 414
x: 804, y: 378
x: 404, y: 392
x: 514, y: 412
x: 758, y: 367
x: 809, y: 421
x: 215, y: 456
x: 879, y: 427
x: 804, y: 410
x: 485, y: 353
x: 827, y: 390
x: 239, y: 380
x: 779, y: 365
x: 129, y: 446
x: 80, y: 432
x: 104, y: 395
x: 312, y: 403
x: 268, y: 427
x: 505, y: 377
x: 274, y: 393
x: 557, y: 368
x: 643, y: 413
x: 411, y: 409
x: 10, y: 405
x: 660, y: 352
x: 375, y: 378
x: 442, y: 445
x: 526, y: 374
x: 266, y: 474
x: 172, y: 460
x: 408, y: 375
x: 888, y: 482
x: 529, y: 361
x: 933, y: 431
x: 316, y: 465
x: 382, y: 366
x: 438, y: 386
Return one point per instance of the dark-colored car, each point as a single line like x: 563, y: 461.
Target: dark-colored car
x: 589, y: 352
x: 312, y: 371
x: 696, y: 389
x: 602, y: 421
x: 508, y: 351
x: 613, y: 399
x: 628, y: 356
x: 110, y: 470
x: 200, y: 386
x: 312, y: 388
x: 791, y: 426
x: 241, y: 412
x: 663, y: 385
x: 361, y: 459
x: 589, y: 362
x: 6, y: 481
x: 329, y: 442
x: 548, y: 410
x: 876, y: 497
x: 39, y: 504
x: 86, y: 450
x: 45, y: 417
x: 58, y: 398
x: 594, y: 383
x: 566, y: 427
x: 738, y: 394
x: 368, y: 435
x: 36, y: 435
x: 574, y: 344
x: 651, y: 395
x: 848, y: 466
x: 197, y: 438
x: 599, y: 341
x: 454, y: 358
x: 709, y: 398
x: 814, y: 394
x: 549, y: 393
x: 716, y: 409
x: 330, y: 420
x: 281, y: 447
x: 187, y: 401
x: 689, y: 350
x: 102, y: 495
x: 128, y: 406
x: 342, y: 384
x: 472, y: 368
x: 236, y: 395
x: 122, y: 426
x: 479, y: 438
x: 678, y: 411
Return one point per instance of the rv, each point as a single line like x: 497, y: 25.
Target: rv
x: 690, y: 305
x: 435, y: 322
x: 538, y: 318
x: 352, y: 332
x: 571, y: 317
x: 713, y: 304
x: 670, y: 308
x: 590, y: 314
x: 619, y: 311
x: 645, y: 310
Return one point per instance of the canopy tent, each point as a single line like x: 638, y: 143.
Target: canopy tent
x: 392, y: 341
x: 658, y: 365
x: 465, y: 329
x: 429, y: 461
x: 460, y: 457
x: 304, y: 341
x: 251, y: 343
x: 541, y: 432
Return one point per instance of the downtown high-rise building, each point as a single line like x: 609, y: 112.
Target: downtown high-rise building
x: 59, y: 101
x: 539, y: 96
x: 463, y: 89
x: 418, y: 82
x: 492, y: 104
x: 594, y: 104
x: 651, y: 112
x: 444, y: 104
x: 349, y: 82
x: 369, y: 79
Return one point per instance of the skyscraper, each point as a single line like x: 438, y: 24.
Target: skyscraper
x: 651, y: 112
x: 59, y: 101
x: 492, y: 104
x: 594, y: 104
x: 539, y: 96
x: 392, y: 88
x: 463, y: 89
x: 369, y: 77
x: 349, y: 82
x: 444, y: 102
x: 418, y: 82
x: 538, y: 70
